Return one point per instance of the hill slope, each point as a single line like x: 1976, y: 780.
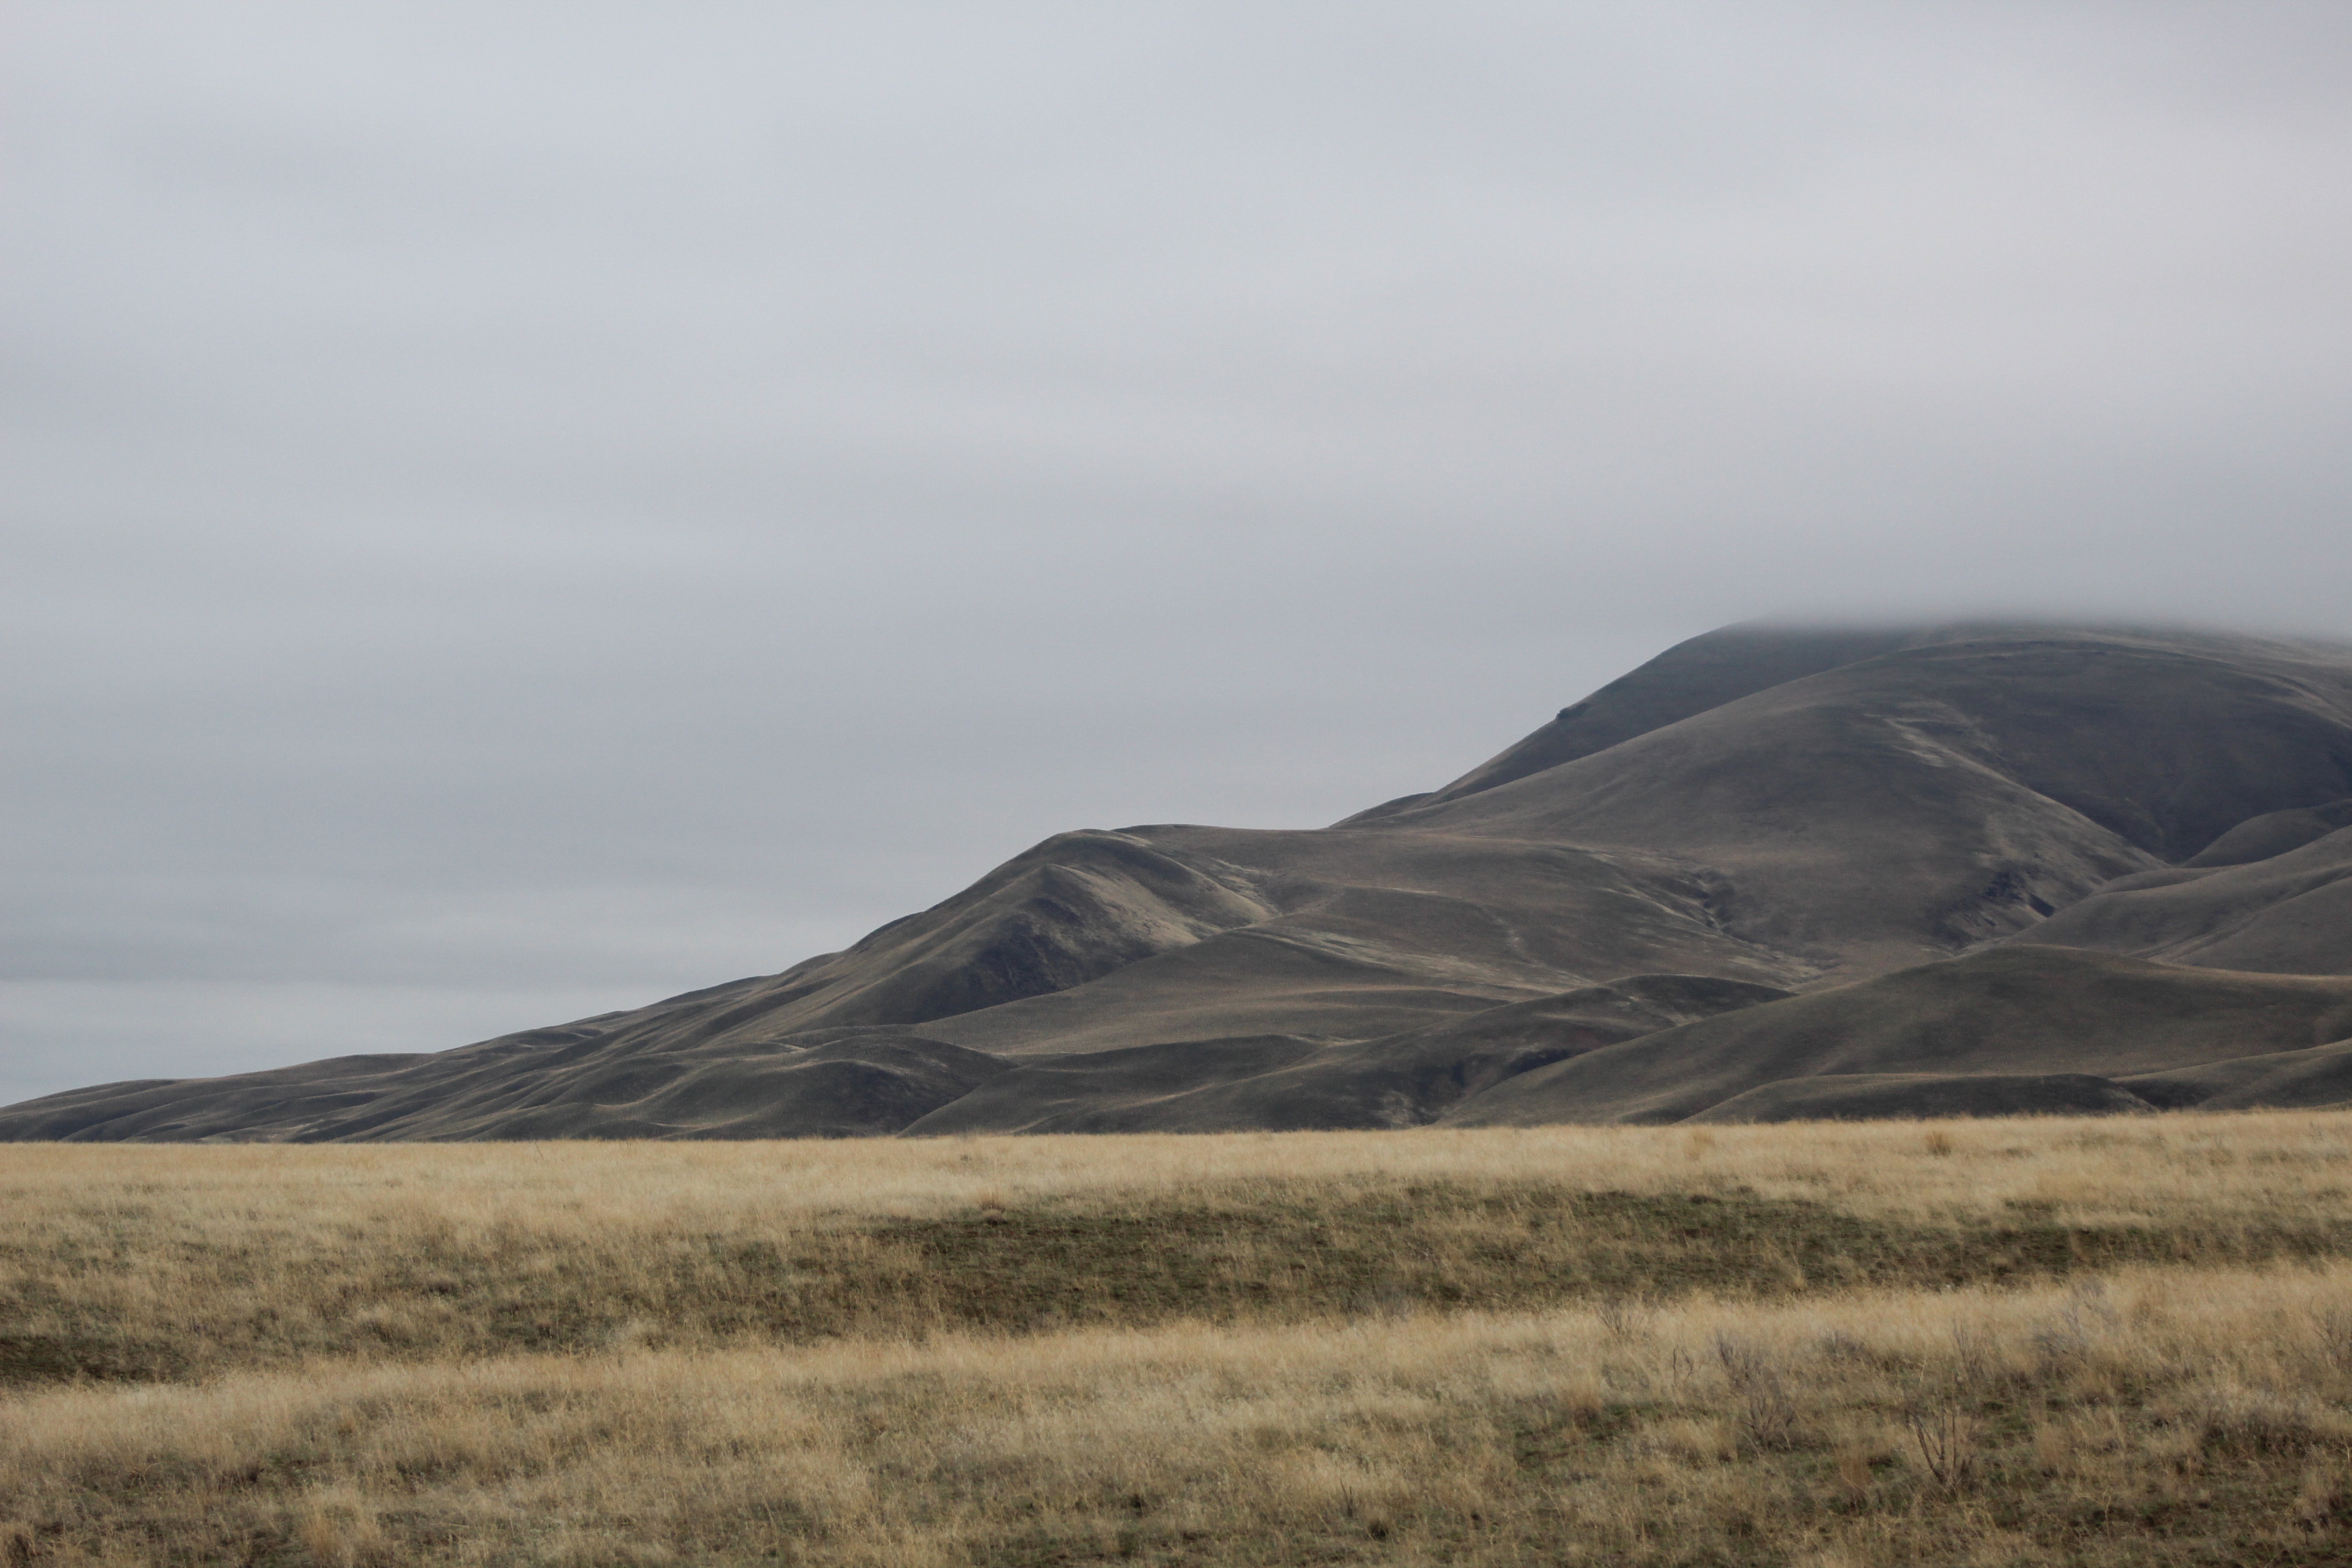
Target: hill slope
x: 2289, y: 913
x: 2008, y: 1012
x: 1764, y: 808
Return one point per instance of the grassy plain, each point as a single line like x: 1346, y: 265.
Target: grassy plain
x: 2096, y: 1342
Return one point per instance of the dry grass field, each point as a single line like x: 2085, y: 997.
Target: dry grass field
x: 2093, y: 1341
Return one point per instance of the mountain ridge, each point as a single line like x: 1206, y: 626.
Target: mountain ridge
x: 1784, y: 809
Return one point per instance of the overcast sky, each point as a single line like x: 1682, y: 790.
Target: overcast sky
x: 516, y: 510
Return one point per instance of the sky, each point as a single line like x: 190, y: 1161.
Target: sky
x: 515, y: 511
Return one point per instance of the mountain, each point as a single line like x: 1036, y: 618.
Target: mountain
x: 2013, y: 1012
x: 1282, y: 1082
x: 2289, y: 913
x: 1759, y: 823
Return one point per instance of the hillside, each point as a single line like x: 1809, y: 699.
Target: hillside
x: 1759, y: 812
x: 2014, y: 1012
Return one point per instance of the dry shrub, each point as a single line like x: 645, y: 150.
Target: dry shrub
x: 1767, y: 1412
x: 1621, y: 1315
x: 1943, y: 1441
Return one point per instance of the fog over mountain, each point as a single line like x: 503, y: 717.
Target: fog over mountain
x: 517, y: 511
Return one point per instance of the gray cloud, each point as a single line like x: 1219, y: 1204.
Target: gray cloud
x: 522, y: 509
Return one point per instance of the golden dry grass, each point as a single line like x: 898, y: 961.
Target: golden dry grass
x: 2028, y: 1342
x: 2091, y: 1170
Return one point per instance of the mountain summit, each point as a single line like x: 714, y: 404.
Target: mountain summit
x: 1775, y: 871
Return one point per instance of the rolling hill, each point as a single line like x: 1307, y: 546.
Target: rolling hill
x: 1776, y: 871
